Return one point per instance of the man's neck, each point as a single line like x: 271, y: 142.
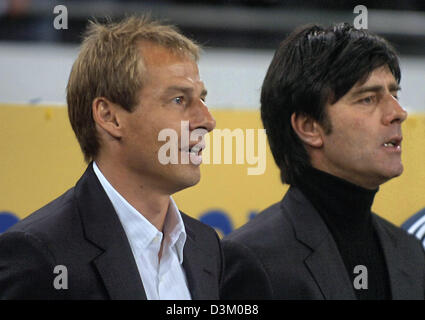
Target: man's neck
x: 336, y: 198
x: 151, y: 203
x: 364, y: 181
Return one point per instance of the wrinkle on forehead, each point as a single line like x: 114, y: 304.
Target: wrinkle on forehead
x: 383, y: 71
x: 157, y: 58
x: 156, y: 54
x: 163, y: 69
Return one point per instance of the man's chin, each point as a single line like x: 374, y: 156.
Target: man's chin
x: 396, y: 171
x: 188, y: 181
x: 391, y: 174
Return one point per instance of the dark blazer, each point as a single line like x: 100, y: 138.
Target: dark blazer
x: 287, y: 252
x: 82, y: 231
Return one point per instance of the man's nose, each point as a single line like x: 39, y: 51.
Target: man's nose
x: 394, y: 112
x: 202, y: 118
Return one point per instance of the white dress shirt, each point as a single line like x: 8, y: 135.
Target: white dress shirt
x: 163, y: 279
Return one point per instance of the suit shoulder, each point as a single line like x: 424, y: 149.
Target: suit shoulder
x: 263, y: 224
x: 404, y: 240
x: 392, y: 229
x: 49, y: 218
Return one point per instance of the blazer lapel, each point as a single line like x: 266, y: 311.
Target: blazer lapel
x: 196, y: 265
x: 324, y: 261
x: 404, y: 284
x: 329, y: 271
x: 102, y: 227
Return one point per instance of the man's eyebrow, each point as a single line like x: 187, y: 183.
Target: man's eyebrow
x: 377, y: 88
x: 394, y: 87
x: 186, y: 90
x: 173, y: 89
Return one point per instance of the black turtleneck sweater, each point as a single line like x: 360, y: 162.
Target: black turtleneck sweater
x: 346, y: 210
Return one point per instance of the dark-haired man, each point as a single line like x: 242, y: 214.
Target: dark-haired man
x: 329, y: 106
x: 118, y: 233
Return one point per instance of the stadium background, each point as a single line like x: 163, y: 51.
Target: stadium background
x: 40, y: 158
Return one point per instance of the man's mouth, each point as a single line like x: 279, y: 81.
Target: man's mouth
x: 195, y: 153
x: 196, y: 150
x: 394, y: 143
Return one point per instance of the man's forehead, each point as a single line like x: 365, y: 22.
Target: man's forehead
x: 187, y: 89
x: 171, y: 70
x: 379, y: 76
x: 158, y: 55
x: 175, y: 65
x: 380, y: 79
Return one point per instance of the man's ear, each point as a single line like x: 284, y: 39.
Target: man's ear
x: 307, y: 129
x: 107, y: 117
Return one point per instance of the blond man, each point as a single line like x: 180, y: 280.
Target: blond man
x: 118, y: 234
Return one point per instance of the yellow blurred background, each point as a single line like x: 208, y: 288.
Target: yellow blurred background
x: 41, y: 159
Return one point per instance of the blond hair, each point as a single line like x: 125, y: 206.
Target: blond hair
x: 110, y: 65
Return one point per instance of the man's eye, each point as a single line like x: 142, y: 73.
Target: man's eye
x: 368, y: 100
x: 179, y: 100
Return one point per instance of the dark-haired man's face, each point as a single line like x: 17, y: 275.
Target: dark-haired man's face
x: 364, y: 146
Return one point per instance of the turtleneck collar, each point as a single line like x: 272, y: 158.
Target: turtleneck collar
x: 339, y: 202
